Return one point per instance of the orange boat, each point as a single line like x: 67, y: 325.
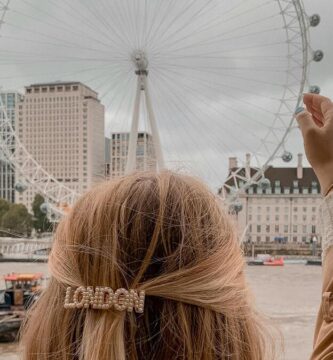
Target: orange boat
x: 274, y: 261
x: 20, y: 293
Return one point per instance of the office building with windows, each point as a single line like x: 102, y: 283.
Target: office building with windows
x: 61, y: 124
x: 286, y: 211
x: 145, y: 153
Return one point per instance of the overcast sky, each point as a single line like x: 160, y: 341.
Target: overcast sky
x: 216, y: 68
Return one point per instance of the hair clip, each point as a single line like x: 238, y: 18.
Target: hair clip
x: 105, y: 298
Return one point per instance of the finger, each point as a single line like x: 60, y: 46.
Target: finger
x: 327, y: 111
x: 305, y: 120
x: 315, y: 101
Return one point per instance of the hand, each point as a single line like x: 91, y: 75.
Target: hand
x: 316, y: 124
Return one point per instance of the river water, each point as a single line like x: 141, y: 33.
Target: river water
x: 288, y: 295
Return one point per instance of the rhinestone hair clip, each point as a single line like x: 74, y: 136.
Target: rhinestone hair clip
x: 104, y: 298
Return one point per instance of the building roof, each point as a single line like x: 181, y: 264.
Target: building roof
x: 285, y: 175
x: 60, y: 83
x: 288, y: 175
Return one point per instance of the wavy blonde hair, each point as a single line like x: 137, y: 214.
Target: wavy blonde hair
x: 163, y: 233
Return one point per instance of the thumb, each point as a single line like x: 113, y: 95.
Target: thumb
x: 305, y: 120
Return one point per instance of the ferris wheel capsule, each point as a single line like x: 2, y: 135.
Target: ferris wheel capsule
x: 20, y: 187
x: 318, y: 55
x: 314, y: 20
x: 314, y: 89
x: 264, y: 183
x: 236, y: 207
x: 44, y: 208
x: 287, y: 156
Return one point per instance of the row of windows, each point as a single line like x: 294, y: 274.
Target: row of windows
x: 284, y: 228
x: 284, y: 239
x: 278, y: 218
x: 51, y: 89
x: 286, y: 209
x: 50, y: 99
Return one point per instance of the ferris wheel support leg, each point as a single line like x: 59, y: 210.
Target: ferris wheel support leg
x: 133, y: 137
x: 154, y: 130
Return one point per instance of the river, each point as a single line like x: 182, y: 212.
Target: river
x: 288, y: 295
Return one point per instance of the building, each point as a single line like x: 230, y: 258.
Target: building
x: 286, y: 211
x: 61, y: 124
x: 7, y: 174
x: 145, y: 153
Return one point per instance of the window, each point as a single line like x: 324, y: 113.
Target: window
x: 258, y: 228
x: 285, y: 228
x: 294, y: 228
x: 267, y: 228
x: 277, y: 217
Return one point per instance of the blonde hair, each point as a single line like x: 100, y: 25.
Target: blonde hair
x: 163, y: 233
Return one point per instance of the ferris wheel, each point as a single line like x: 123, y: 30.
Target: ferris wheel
x: 208, y: 79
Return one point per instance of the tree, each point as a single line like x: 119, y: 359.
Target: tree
x: 4, y: 207
x: 40, y: 221
x: 18, y: 220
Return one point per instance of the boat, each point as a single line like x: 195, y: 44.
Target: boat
x: 259, y: 259
x: 254, y: 262
x: 21, y: 291
x: 274, y: 261
x: 317, y: 262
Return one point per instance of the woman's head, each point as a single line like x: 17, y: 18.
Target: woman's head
x: 163, y: 233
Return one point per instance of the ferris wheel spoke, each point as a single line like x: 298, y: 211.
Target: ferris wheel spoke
x: 213, y: 85
x: 225, y: 51
x: 199, y: 31
x: 57, y: 22
x: 236, y: 76
x: 154, y: 32
x: 185, y: 23
x: 213, y: 141
x: 118, y: 81
x: 59, y: 45
x: 108, y: 28
x: 201, y: 99
x: 173, y: 104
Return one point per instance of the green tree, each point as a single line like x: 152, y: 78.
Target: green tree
x: 4, y: 207
x: 40, y: 221
x: 18, y: 220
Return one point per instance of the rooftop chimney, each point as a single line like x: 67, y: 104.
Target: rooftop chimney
x: 248, y: 166
x: 233, y: 163
x: 300, y: 167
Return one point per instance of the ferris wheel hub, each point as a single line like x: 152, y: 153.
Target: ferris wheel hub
x: 141, y: 62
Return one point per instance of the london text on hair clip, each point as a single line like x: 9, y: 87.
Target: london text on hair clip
x: 104, y: 298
